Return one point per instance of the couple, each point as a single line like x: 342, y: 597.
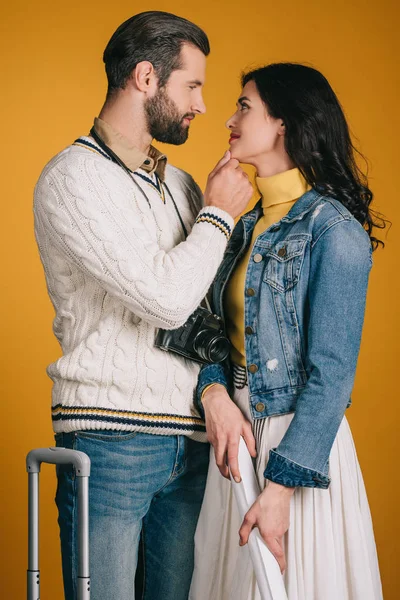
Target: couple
x: 130, y: 248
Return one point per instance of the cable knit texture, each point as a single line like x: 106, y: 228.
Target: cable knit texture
x: 118, y: 269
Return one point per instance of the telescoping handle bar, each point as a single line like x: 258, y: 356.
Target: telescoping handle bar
x: 266, y: 568
x: 81, y: 462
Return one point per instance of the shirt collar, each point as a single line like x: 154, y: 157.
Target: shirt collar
x: 153, y: 162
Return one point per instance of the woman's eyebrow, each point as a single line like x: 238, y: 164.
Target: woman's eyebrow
x: 243, y: 99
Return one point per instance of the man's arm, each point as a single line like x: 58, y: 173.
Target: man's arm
x: 82, y: 210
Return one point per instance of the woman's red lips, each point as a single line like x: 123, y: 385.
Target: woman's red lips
x: 233, y: 137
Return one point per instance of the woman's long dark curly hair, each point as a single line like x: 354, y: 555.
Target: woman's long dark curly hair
x: 317, y: 137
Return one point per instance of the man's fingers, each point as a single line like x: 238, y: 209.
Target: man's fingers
x: 247, y: 526
x: 233, y: 451
x: 248, y: 437
x: 224, y: 160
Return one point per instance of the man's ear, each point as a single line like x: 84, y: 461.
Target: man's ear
x: 144, y: 77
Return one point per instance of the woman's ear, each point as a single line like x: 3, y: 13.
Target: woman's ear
x: 282, y: 129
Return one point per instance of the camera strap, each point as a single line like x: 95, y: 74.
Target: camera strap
x: 115, y: 158
x: 119, y: 162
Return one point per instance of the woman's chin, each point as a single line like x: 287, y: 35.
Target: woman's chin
x: 238, y: 156
x: 235, y: 154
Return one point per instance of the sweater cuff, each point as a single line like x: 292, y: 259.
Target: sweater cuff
x: 217, y: 218
x: 286, y: 472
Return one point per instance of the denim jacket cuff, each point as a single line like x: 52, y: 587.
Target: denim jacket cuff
x: 213, y: 373
x: 286, y: 472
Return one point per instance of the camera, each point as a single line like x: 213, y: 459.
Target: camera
x: 201, y: 338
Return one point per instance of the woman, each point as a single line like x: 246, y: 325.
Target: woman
x: 292, y: 291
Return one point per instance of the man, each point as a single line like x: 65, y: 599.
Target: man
x: 127, y: 250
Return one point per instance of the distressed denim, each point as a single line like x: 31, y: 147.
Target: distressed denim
x: 305, y: 295
x: 139, y: 483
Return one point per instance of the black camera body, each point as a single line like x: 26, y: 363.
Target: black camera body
x: 201, y: 338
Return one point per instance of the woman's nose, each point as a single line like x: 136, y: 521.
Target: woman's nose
x: 230, y: 122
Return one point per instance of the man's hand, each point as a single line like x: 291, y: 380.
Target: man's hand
x: 225, y: 424
x: 270, y: 513
x: 228, y: 187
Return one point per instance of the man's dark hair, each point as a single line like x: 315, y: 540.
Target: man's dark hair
x: 153, y: 36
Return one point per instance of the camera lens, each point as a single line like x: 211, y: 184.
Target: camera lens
x: 211, y: 347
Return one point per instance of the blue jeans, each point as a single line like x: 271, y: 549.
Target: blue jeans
x: 140, y: 484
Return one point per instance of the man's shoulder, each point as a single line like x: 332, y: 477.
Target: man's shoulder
x: 71, y: 157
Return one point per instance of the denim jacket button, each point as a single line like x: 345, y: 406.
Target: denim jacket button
x: 253, y: 368
x: 260, y: 407
x: 257, y: 258
x: 250, y: 292
x: 249, y: 330
x: 282, y: 252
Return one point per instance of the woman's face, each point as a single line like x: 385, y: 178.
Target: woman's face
x: 256, y: 137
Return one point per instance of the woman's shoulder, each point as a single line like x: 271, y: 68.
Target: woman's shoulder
x: 336, y: 233
x: 331, y: 215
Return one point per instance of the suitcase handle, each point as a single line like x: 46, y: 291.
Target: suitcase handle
x: 81, y: 462
x: 58, y: 456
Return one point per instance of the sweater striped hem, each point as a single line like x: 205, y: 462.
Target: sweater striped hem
x: 70, y: 418
x: 221, y: 224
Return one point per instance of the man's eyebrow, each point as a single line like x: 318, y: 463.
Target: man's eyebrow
x: 196, y: 82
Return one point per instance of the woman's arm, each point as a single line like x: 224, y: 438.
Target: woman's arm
x: 339, y: 270
x: 340, y: 266
x: 210, y: 375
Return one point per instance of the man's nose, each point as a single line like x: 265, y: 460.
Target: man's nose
x: 199, y: 106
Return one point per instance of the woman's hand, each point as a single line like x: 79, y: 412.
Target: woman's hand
x: 225, y: 424
x: 270, y: 513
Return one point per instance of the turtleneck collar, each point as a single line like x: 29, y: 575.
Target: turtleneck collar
x: 281, y: 188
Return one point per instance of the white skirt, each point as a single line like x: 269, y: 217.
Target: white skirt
x: 330, y: 547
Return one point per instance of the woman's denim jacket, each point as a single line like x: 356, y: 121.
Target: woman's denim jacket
x: 305, y: 293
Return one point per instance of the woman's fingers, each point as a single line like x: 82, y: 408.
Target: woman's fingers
x: 275, y: 546
x: 248, y: 437
x: 233, y: 452
x: 249, y: 522
x: 220, y: 457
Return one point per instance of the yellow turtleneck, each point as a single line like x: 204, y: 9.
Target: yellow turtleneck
x: 279, y: 193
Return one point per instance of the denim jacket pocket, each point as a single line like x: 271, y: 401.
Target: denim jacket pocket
x: 284, y: 261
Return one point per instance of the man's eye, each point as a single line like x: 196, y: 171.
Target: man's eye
x: 192, y: 87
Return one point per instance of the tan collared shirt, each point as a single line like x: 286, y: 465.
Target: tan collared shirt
x: 154, y: 162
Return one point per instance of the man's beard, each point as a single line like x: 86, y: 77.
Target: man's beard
x: 164, y: 121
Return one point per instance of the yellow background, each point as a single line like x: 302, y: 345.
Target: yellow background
x: 53, y: 84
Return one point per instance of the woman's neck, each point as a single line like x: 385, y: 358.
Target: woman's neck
x: 269, y: 166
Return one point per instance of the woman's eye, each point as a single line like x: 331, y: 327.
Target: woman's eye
x: 243, y: 107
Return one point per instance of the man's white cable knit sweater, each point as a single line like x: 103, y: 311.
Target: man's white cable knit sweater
x: 118, y: 269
